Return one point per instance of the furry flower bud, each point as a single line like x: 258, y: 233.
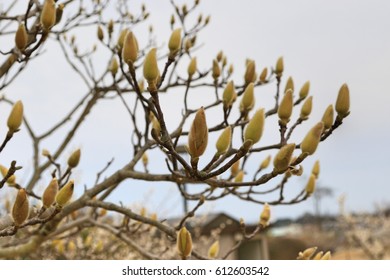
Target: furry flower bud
x: 130, y: 48
x: 114, y: 66
x: 312, y: 139
x: 48, y: 15
x: 265, y: 215
x: 21, y: 37
x: 192, y: 67
x: 50, y: 193
x: 304, y: 90
x: 286, y: 107
x: 213, y: 250
x: 74, y: 158
x: 223, y: 142
x: 198, y: 135
x: 216, y: 71
x: 289, y: 85
x: 15, y: 117
x: 4, y: 171
x: 228, y: 95
x: 316, y: 169
x: 306, y: 108
x: 279, y: 68
x: 65, y: 194
x: 283, y: 158
x: 265, y: 163
x: 235, y: 168
x: 250, y: 72
x: 21, y: 207
x: 184, y: 243
x: 100, y: 33
x: 263, y: 75
x: 121, y: 39
x: 255, y: 127
x: 248, y: 99
x: 151, y: 71
x: 328, y: 117
x: 311, y: 184
x: 342, y: 102
x: 174, y: 42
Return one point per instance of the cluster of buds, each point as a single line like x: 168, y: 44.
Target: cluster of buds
x: 310, y: 254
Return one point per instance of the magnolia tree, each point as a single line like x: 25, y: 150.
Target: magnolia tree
x: 83, y: 223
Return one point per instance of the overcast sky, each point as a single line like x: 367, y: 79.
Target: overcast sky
x: 326, y: 42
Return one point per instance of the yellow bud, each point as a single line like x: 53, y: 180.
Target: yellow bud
x: 263, y: 75
x: 155, y: 124
x: 100, y: 33
x: 235, y: 168
x: 71, y: 246
x: 307, y: 254
x: 110, y: 27
x: 255, y: 127
x: 228, y: 95
x: 223, y: 142
x: 248, y: 99
x: 216, y: 71
x: 289, y: 84
x: 121, y: 38
x: 4, y: 171
x: 327, y: 256
x: 45, y: 153
x: 213, y: 250
x: 250, y: 72
x: 219, y: 56
x: 153, y: 217
x: 65, y: 194
x: 198, y: 135
x: 311, y: 184
x: 50, y: 193
x: 74, y: 158
x: 187, y: 45
x: 265, y: 215
x: 328, y: 117
x: 114, y: 66
x: 318, y: 256
x: 21, y: 37
x: 316, y: 169
x: 145, y: 159
x: 283, y: 158
x: 265, y: 163
x: 141, y: 86
x: 15, y: 117
x: 192, y: 67
x: 48, y: 15
x: 304, y: 90
x: 151, y: 71
x: 286, y: 107
x: 306, y: 108
x: 21, y: 207
x: 184, y: 243
x: 312, y: 139
x: 279, y: 68
x: 239, y: 177
x: 130, y: 48
x: 230, y: 69
x: 174, y: 42
x: 342, y: 102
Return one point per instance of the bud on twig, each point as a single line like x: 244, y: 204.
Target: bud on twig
x: 216, y: 71
x: 250, y: 72
x: 283, y: 158
x: 304, y: 90
x: 48, y: 15
x: 192, y: 67
x: 328, y: 117
x: 130, y: 48
x: 213, y: 250
x: 342, y: 102
x: 100, y: 33
x: 121, y: 39
x: 263, y: 75
x: 265, y: 163
x: 198, y: 135
x: 279, y: 68
x: 184, y: 243
x: 4, y: 171
x: 316, y: 169
x: 50, y: 193
x: 15, y: 117
x: 289, y: 85
x: 65, y: 194
x: 151, y: 71
x: 21, y: 207
x: 228, y: 95
x: 312, y: 139
x: 306, y: 108
x: 74, y: 158
x: 311, y: 184
x: 307, y: 254
x: 174, y: 43
x: 239, y: 177
x: 223, y: 142
x: 265, y: 216
x: 21, y: 37
x: 254, y: 129
x: 235, y: 168
x: 248, y: 99
x: 286, y: 107
x: 114, y: 66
